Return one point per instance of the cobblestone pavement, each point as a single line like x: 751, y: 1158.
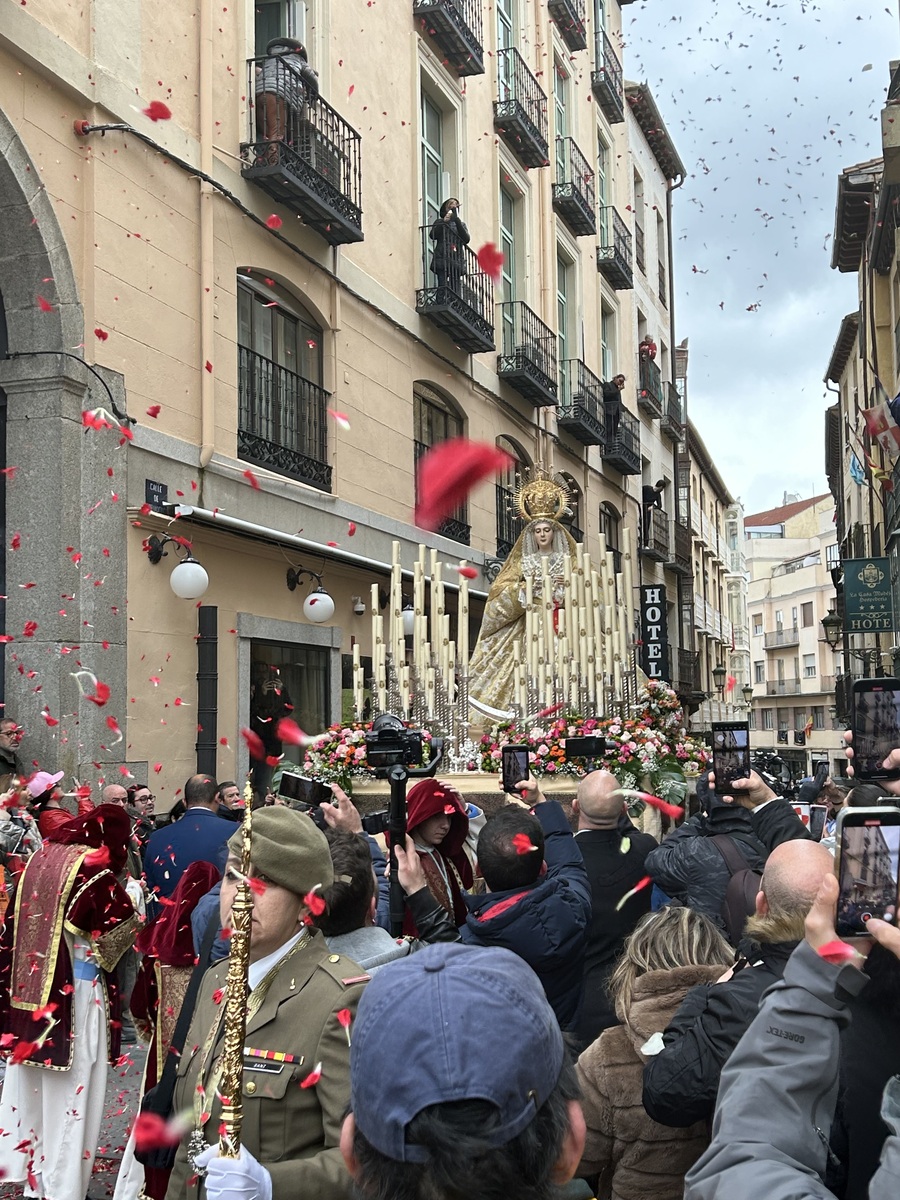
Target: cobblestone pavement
x: 122, y: 1091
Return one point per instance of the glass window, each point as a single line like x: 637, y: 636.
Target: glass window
x: 508, y: 213
x: 759, y: 672
x: 279, y: 329
x: 432, y: 120
x: 768, y: 718
x: 607, y: 342
x: 600, y: 15
x: 757, y: 624
x: 435, y: 421
x: 506, y: 39
x: 564, y: 271
x: 509, y: 523
x: 818, y: 716
x: 279, y: 18
x: 561, y: 100
x: 809, y: 666
x: 288, y: 680
x: 779, y: 618
x: 806, y: 614
x: 784, y: 719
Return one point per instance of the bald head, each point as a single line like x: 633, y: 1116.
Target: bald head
x: 792, y: 876
x: 114, y: 793
x: 595, y: 803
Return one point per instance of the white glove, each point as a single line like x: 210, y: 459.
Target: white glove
x: 241, y: 1178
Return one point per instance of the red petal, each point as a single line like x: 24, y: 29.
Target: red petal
x: 344, y: 1017
x: 251, y: 479
x: 448, y: 472
x: 289, y: 731
x: 157, y: 111
x: 351, y: 529
x: 153, y: 410
x: 470, y: 573
x: 670, y: 810
x: 44, y: 305
x: 151, y: 1131
x: 274, y: 221
x: 101, y: 334
x: 208, y: 366
x: 522, y: 843
x: 314, y: 903
x: 836, y: 952
x: 254, y: 744
x: 490, y: 259
x: 313, y: 1077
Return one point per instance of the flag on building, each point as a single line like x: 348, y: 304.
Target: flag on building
x: 857, y: 474
x: 881, y: 427
x: 808, y: 727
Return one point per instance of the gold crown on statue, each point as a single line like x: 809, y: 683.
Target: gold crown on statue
x: 543, y: 494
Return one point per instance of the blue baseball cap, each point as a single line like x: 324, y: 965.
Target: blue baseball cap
x: 451, y: 1022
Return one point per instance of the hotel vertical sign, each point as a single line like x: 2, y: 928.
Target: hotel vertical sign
x: 868, y: 604
x: 654, y: 632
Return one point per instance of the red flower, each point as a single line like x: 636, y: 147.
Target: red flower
x: 447, y: 473
x: 490, y: 259
x: 157, y: 111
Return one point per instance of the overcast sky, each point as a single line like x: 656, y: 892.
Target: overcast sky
x: 766, y: 103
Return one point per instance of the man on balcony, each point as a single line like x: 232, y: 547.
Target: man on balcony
x: 286, y: 85
x: 612, y: 400
x: 651, y: 497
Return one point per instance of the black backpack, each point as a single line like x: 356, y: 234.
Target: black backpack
x: 740, y: 895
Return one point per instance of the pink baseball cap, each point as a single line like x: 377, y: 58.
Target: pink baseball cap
x: 42, y: 781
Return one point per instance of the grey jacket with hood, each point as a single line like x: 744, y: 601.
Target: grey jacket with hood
x: 778, y: 1093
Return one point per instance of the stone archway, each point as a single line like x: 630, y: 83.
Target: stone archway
x: 58, y: 498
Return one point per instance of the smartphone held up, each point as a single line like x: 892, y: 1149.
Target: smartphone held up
x: 513, y: 768
x: 731, y: 753
x: 868, y: 868
x: 876, y: 727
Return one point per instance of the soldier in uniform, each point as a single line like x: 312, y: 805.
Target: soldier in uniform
x: 301, y: 1001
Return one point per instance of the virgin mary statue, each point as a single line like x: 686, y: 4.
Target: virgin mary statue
x: 542, y: 547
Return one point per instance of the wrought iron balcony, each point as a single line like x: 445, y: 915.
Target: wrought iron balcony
x: 681, y: 562
x: 622, y: 446
x: 782, y: 687
x: 573, y: 192
x: 687, y: 681
x: 782, y: 637
x: 456, y: 28
x: 302, y: 153
x: 614, y: 252
x: 569, y: 18
x: 649, y: 396
x: 606, y: 80
x: 455, y: 526
x: 580, y: 411
x: 672, y: 419
x: 509, y: 523
x: 576, y: 532
x: 457, y: 295
x: 639, y: 248
x: 527, y: 361
x: 282, y: 421
x: 520, y: 110
x: 655, y: 534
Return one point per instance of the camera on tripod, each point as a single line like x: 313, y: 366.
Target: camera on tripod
x: 390, y: 744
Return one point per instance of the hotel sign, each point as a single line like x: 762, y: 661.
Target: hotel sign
x: 868, y: 604
x: 654, y: 632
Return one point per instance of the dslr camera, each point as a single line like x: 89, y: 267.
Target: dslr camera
x: 389, y: 744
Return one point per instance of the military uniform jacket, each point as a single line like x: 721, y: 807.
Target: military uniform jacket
x: 293, y: 1131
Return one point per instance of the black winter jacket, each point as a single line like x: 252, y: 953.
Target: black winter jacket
x: 689, y: 867
x: 682, y: 1081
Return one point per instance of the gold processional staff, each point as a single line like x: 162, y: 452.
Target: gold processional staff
x: 235, y: 1018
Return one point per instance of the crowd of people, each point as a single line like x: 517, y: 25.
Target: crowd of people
x: 571, y: 1010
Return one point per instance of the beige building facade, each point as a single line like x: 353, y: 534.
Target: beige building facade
x: 252, y: 291
x: 791, y: 551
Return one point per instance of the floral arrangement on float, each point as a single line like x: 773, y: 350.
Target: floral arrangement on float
x: 650, y: 748
x: 339, y: 754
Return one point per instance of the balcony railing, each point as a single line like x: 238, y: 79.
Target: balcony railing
x: 614, y: 251
x: 741, y: 637
x: 655, y: 534
x: 782, y: 637
x: 782, y: 687
x: 606, y: 80
x: 696, y: 520
x: 662, y: 290
x: 569, y: 18
x: 576, y: 531
x: 302, y: 153
x: 457, y: 295
x: 672, y: 418
x: 681, y: 562
x: 520, y: 110
x: 282, y: 421
x: 639, y: 248
x: 650, y: 399
x: 622, y: 445
x: 509, y: 523
x: 824, y: 683
x: 527, y: 360
x: 843, y: 697
x: 580, y: 411
x: 456, y: 27
x: 455, y: 526
x: 687, y: 681
x: 573, y: 192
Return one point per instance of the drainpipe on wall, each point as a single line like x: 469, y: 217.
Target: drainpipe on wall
x: 207, y: 688
x: 207, y: 268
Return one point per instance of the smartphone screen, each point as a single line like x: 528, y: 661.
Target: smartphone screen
x: 817, y: 816
x: 868, y: 854
x: 731, y: 753
x: 876, y: 726
x: 514, y: 764
x: 300, y: 787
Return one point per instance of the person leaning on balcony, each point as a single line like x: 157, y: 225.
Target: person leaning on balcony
x: 449, y: 234
x: 647, y: 347
x: 651, y: 497
x: 285, y: 85
x: 612, y: 396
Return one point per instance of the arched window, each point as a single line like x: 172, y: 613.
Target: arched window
x: 509, y: 523
x: 437, y: 419
x: 609, y: 527
x: 281, y: 401
x: 573, y: 522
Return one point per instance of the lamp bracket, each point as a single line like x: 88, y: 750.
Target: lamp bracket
x: 295, y: 576
x: 156, y: 551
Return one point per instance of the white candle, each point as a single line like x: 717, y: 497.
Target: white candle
x: 628, y: 580
x: 462, y: 623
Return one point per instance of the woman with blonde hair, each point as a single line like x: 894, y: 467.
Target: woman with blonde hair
x: 668, y: 953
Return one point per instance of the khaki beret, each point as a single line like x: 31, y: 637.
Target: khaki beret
x: 288, y: 848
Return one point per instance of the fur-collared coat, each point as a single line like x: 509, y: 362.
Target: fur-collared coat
x: 637, y: 1159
